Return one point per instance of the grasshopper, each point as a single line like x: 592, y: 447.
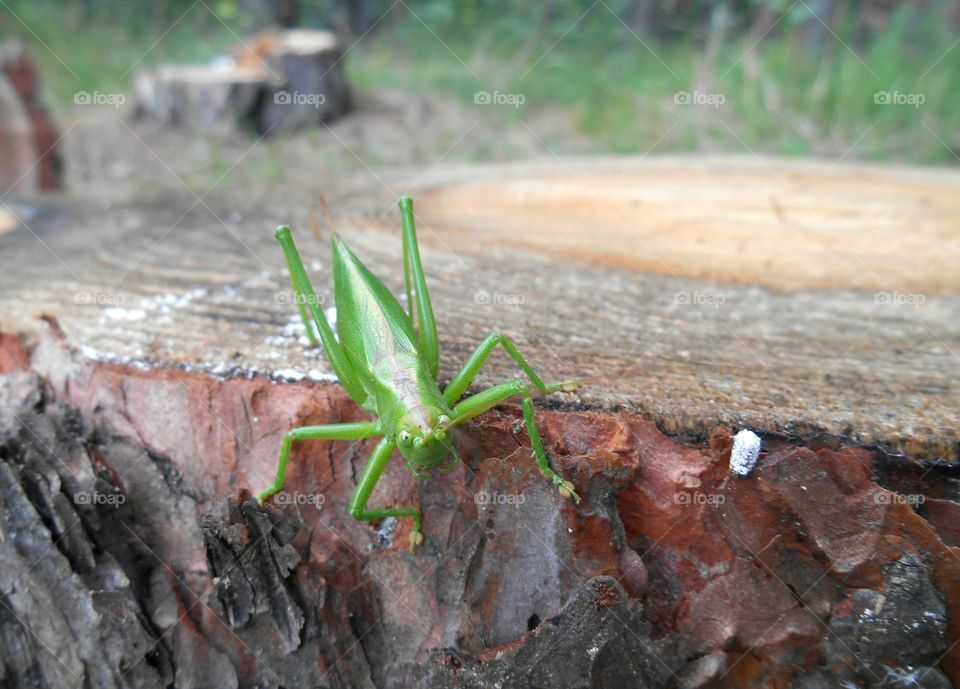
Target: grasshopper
x: 386, y: 358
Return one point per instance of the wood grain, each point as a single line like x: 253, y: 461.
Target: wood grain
x: 786, y: 296
x: 793, y: 228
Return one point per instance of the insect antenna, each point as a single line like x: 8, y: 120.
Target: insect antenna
x: 313, y: 223
x: 327, y: 215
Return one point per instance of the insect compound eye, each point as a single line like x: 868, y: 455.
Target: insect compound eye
x: 443, y: 420
x: 404, y: 437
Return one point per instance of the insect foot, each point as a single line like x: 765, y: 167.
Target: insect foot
x: 562, y: 386
x: 566, y: 489
x: 416, y: 538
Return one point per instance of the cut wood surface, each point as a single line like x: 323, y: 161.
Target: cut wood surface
x: 787, y: 296
x: 134, y: 554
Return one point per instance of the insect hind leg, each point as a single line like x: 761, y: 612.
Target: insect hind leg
x: 460, y: 382
x: 486, y: 399
x: 416, y: 281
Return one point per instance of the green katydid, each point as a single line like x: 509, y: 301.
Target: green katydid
x: 387, y: 359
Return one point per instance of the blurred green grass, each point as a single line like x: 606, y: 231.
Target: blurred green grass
x: 782, y: 94
x: 95, y: 47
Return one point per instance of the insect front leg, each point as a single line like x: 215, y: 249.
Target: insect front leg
x: 462, y: 380
x: 372, y: 472
x: 482, y: 401
x: 339, y: 431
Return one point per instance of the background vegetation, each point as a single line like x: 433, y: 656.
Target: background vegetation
x: 794, y: 78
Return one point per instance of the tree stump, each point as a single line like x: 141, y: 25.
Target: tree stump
x: 198, y: 96
x: 284, y: 80
x: 144, y: 393
x: 314, y: 88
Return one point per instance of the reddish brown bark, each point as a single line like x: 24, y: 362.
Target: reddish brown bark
x: 670, y: 570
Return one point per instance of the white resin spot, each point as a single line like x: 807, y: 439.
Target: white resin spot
x: 745, y: 452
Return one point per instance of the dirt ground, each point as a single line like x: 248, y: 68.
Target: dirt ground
x: 116, y: 157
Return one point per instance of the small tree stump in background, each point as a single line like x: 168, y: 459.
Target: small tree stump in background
x: 281, y: 80
x: 198, y: 96
x: 315, y: 87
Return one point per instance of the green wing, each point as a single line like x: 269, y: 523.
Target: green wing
x: 371, y: 323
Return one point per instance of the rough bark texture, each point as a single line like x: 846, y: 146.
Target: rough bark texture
x: 134, y: 556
